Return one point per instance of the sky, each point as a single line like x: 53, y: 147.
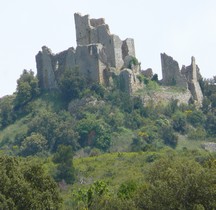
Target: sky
x: 180, y: 28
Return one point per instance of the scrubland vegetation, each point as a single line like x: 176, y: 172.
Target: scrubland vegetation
x: 87, y: 147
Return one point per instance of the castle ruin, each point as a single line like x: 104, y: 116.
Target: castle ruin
x: 98, y: 55
x: 186, y: 78
x: 102, y: 57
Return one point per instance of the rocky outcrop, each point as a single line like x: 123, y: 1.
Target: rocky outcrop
x: 209, y: 146
x: 186, y: 78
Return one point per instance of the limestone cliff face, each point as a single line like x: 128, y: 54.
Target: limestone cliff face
x: 97, y: 52
x: 186, y: 78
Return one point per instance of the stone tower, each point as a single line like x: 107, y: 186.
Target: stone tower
x: 91, y: 31
x: 191, y: 74
x: 97, y: 53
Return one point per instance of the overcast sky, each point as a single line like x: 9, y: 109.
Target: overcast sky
x: 180, y: 28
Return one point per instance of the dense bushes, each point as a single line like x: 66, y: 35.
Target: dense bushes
x: 27, y: 88
x: 25, y: 185
x: 169, y: 181
x: 178, y: 183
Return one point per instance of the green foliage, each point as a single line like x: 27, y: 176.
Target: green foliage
x: 197, y: 134
x: 24, y: 185
x: 155, y: 78
x: 27, y: 88
x: 72, y: 84
x: 94, y: 132
x: 91, y: 198
x: 206, y: 105
x: 196, y: 118
x: 127, y: 190
x: 152, y: 85
x: 34, y: 144
x: 98, y: 89
x: 64, y: 159
x: 7, y: 115
x: 56, y: 128
x: 171, y: 108
x: 133, y: 62
x: 96, y: 190
x: 178, y: 183
x: 210, y: 124
x: 179, y: 122
x: 169, y: 137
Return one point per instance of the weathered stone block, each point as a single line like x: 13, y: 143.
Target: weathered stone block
x: 129, y: 82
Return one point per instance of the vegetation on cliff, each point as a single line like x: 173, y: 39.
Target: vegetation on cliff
x: 104, y: 148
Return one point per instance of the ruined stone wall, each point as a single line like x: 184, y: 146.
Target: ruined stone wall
x: 86, y: 58
x: 89, y: 63
x: 45, y: 69
x: 129, y: 82
x: 187, y: 77
x: 191, y: 73
x: 171, y: 72
x: 90, y: 31
x: 128, y: 48
x: 100, y: 57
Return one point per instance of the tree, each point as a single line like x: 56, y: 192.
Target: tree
x: 94, y: 132
x: 33, y: 144
x: 7, y: 115
x: 169, y: 137
x: 196, y: 118
x: 56, y: 128
x: 178, y: 183
x: 155, y: 78
x: 72, y: 84
x: 210, y: 124
x: 64, y: 159
x: 127, y: 190
x: 27, y: 88
x: 25, y: 185
x: 179, y: 122
x: 171, y: 108
x: 93, y: 198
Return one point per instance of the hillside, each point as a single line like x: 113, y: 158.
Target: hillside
x: 100, y: 133
x: 112, y: 138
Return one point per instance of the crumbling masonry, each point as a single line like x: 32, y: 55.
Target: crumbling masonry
x: 99, y: 55
x: 186, y: 78
x: 102, y: 57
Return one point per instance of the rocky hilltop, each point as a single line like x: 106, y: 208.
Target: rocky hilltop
x: 102, y: 57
